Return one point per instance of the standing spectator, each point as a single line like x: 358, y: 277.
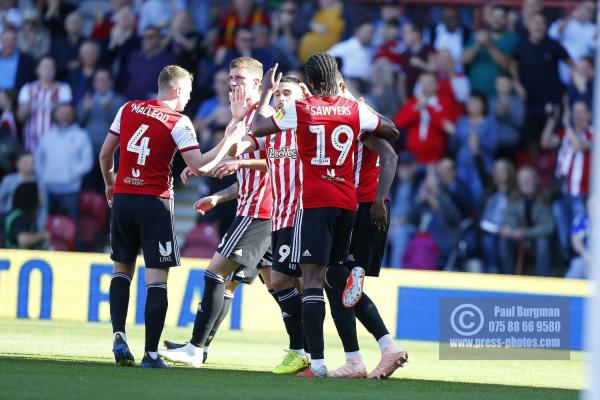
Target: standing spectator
x: 158, y: 13
x: 454, y: 86
x: 450, y: 35
x: 425, y: 119
x: 325, y: 29
x: 243, y: 13
x: 65, y: 49
x: 36, y: 101
x: 577, y: 34
x: 383, y: 94
x: 475, y: 134
x: 184, y: 42
x: 579, y: 267
x: 573, y: 164
x: 95, y: 114
x: 391, y: 45
x: 520, y: 21
x: 144, y: 65
x: 20, y: 223
x: 356, y: 54
x: 54, y: 13
x: 63, y: 157
x: 508, y: 110
x: 389, y: 11
x: 80, y: 78
x: 214, y: 112
x: 415, y: 59
x: 581, y: 86
x: 490, y: 52
x: 104, y: 19
x: 528, y: 222
x: 16, y: 68
x: 10, y: 182
x: 536, y: 64
x: 33, y: 39
x: 284, y: 37
x: 122, y: 43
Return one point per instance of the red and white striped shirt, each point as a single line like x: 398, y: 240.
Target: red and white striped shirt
x: 574, y: 164
x: 283, y: 166
x: 41, y: 101
x: 254, y: 189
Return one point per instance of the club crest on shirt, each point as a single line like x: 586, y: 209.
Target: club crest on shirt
x: 280, y: 114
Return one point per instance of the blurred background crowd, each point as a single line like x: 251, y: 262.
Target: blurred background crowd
x: 493, y: 100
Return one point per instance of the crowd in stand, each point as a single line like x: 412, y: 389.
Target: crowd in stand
x: 494, y: 105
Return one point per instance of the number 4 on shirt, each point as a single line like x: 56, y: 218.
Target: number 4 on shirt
x: 142, y: 150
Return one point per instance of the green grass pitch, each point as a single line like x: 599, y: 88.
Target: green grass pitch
x: 65, y: 360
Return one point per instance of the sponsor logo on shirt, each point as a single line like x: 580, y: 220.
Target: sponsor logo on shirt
x: 285, y: 152
x: 331, y: 176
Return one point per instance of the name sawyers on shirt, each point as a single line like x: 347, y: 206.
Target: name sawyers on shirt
x: 150, y: 112
x: 329, y: 110
x: 285, y: 152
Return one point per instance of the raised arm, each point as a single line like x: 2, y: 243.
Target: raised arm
x: 263, y: 123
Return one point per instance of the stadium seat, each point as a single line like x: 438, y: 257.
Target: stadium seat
x: 201, y: 242
x: 92, y: 220
x: 62, y: 232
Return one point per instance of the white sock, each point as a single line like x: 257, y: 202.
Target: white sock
x: 316, y: 364
x: 385, y: 341
x: 299, y: 352
x: 153, y: 354
x: 308, y: 356
x: 123, y: 336
x: 352, y: 354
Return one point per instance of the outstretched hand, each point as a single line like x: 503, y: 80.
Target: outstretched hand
x: 237, y: 103
x: 271, y: 79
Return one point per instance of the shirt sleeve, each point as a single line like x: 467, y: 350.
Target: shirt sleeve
x: 286, y: 118
x: 184, y: 135
x: 369, y: 121
x: 115, y: 127
x: 24, y: 94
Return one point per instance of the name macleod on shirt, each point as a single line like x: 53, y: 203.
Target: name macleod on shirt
x: 329, y: 110
x: 285, y: 152
x: 150, y: 112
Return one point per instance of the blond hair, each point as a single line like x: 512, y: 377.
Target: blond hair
x: 171, y: 75
x: 251, y: 64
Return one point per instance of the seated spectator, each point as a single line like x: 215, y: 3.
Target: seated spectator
x: 475, y: 133
x: 425, y: 120
x: 449, y: 34
x: 415, y: 59
x: 325, y: 29
x: 579, y: 267
x: 184, y: 42
x: 453, y: 85
x: 80, y: 78
x: 20, y: 223
x: 573, y: 163
x: 581, y: 86
x: 10, y: 182
x: 95, y: 114
x: 65, y: 49
x: 499, y: 188
x: 528, y: 223
x: 214, y: 112
x: 16, y: 68
x: 63, y: 158
x: 243, y: 13
x: 356, y: 55
x: 508, y: 109
x: 144, y: 65
x: 404, y: 194
x: 577, y: 34
x: 33, y: 39
x: 36, y: 101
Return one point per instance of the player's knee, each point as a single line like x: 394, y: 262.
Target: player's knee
x: 313, y: 278
x: 281, y: 282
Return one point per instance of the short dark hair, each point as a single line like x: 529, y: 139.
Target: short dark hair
x: 290, y: 79
x: 481, y: 96
x: 320, y: 71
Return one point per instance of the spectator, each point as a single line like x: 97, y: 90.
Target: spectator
x: 10, y: 146
x: 453, y: 85
x: 577, y: 34
x: 404, y: 194
x: 284, y: 37
x: 389, y: 11
x: 144, y: 65
x: 16, y: 68
x: 80, y: 78
x: 37, y: 99
x: 104, y: 19
x: 65, y: 49
x: 573, y: 164
x: 122, y: 43
x: 326, y: 28
x: 490, y: 52
x: 508, y: 110
x: 579, y: 267
x: 95, y: 114
x: 528, y: 223
x: 581, y: 86
x: 158, y: 13
x: 8, y: 122
x: 519, y: 22
x: 63, y: 157
x: 502, y: 186
x: 475, y: 133
x: 356, y: 54
x: 33, y: 39
x: 536, y: 65
x: 450, y: 35
x: 263, y: 49
x: 10, y: 15
x: 214, y: 112
x: 415, y: 59
x: 391, y: 46
x: 425, y: 119
x: 54, y: 13
x: 11, y: 181
x: 454, y: 186
x: 184, y: 42
x: 20, y: 223
x: 244, y: 13
x: 383, y: 94
x: 245, y: 46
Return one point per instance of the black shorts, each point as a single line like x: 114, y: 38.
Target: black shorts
x: 246, y: 275
x: 146, y: 222
x: 281, y: 243
x: 322, y: 235
x: 368, y: 243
